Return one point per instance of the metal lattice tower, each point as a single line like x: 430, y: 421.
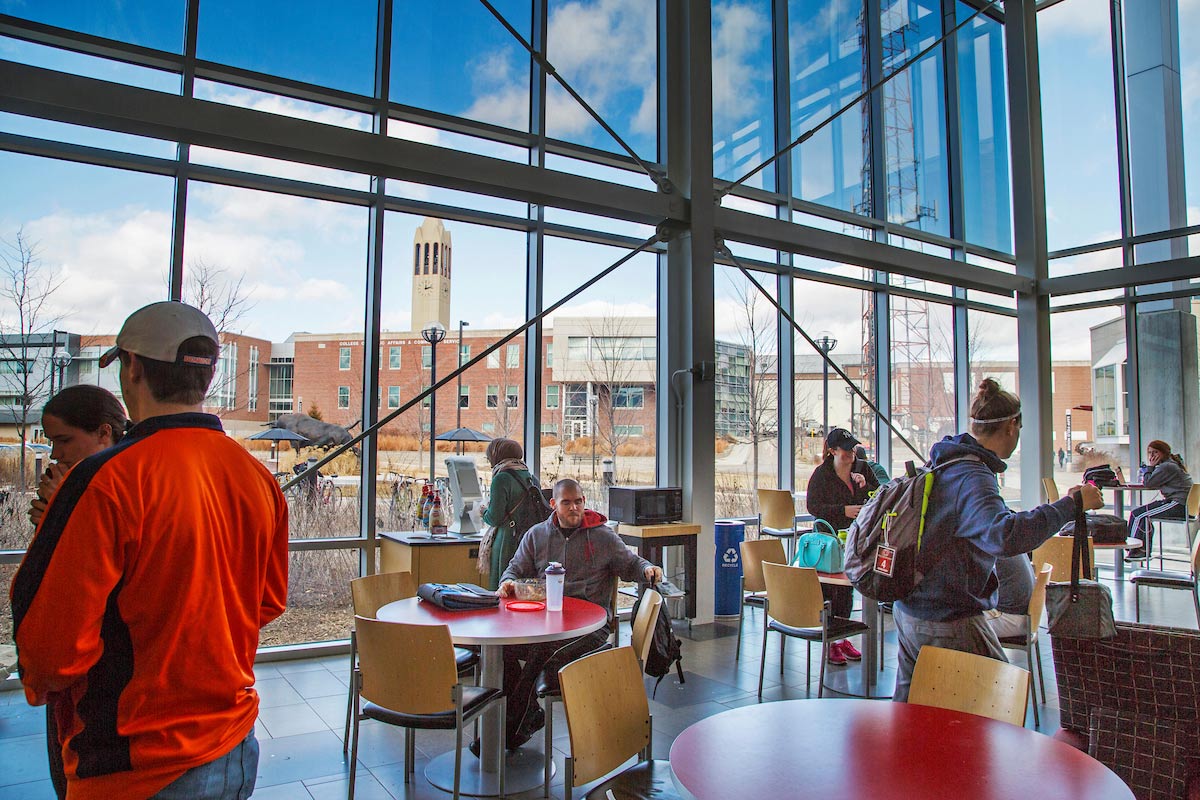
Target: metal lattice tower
x: 910, y: 350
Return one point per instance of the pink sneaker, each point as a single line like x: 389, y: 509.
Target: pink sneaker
x: 836, y: 656
x: 850, y: 651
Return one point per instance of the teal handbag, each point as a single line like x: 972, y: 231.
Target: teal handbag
x: 820, y: 551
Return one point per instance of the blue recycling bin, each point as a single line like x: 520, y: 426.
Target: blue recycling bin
x: 729, y: 536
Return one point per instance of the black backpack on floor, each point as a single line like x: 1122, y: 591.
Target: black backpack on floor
x: 665, y: 647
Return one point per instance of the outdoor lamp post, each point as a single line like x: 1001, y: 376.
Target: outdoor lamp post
x: 826, y: 343
x: 433, y: 333
x: 458, y: 400
x: 593, y: 401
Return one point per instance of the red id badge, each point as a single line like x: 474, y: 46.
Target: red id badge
x: 885, y: 560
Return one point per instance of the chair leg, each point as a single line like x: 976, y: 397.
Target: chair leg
x: 350, y: 692
x: 503, y: 715
x: 808, y: 666
x: 1032, y: 692
x: 548, y: 747
x: 762, y: 662
x: 353, y: 753
x: 1196, y: 602
x: 737, y: 653
x: 1161, y: 535
x: 568, y: 778
x: 782, y: 648
x: 821, y: 679
x: 409, y: 754
x: 1037, y: 649
x: 1137, y: 602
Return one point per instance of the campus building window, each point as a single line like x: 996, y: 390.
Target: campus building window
x: 511, y: 396
x: 629, y: 397
x: 493, y: 396
x: 343, y: 397
x: 393, y: 358
x: 343, y: 358
x: 393, y: 397
x: 552, y: 396
x: 464, y: 397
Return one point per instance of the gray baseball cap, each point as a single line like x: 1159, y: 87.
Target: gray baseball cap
x: 156, y: 331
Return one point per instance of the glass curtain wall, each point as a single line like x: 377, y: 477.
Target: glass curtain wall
x: 316, y: 233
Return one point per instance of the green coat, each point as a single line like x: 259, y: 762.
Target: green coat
x: 508, y: 487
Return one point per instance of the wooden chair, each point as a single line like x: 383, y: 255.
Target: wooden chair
x: 777, y: 516
x: 1056, y: 551
x: 1169, y: 580
x: 795, y: 607
x: 967, y: 682
x: 754, y: 553
x: 1190, y: 522
x: 369, y: 594
x: 409, y: 679
x: 1028, y: 641
x: 640, y: 637
x: 609, y: 720
x: 1051, y: 489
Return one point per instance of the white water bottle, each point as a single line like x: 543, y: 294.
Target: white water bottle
x: 556, y: 578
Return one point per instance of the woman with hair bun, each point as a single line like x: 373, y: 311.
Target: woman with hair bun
x: 79, y: 421
x: 967, y: 528
x: 1166, y: 472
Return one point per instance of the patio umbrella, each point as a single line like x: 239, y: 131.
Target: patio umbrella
x: 463, y: 435
x: 275, y: 436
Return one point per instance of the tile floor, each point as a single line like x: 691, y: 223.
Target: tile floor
x: 304, y: 704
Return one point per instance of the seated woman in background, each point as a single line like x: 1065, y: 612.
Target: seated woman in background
x: 1166, y: 472
x: 836, y: 492
x: 79, y: 421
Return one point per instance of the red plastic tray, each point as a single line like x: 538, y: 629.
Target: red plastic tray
x: 526, y: 605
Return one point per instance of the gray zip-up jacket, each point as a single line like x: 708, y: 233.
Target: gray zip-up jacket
x: 592, y: 555
x: 1170, y: 479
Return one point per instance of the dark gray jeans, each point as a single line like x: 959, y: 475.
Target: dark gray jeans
x: 970, y: 635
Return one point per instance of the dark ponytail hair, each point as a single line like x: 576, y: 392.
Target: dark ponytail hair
x: 992, y: 408
x: 87, y: 408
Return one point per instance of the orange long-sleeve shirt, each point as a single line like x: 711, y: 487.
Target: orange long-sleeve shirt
x: 140, y: 601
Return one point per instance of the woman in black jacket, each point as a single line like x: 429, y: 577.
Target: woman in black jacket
x: 836, y: 492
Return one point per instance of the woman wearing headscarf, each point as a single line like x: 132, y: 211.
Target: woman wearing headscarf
x: 510, y: 481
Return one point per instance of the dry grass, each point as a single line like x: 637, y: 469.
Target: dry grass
x: 582, y: 445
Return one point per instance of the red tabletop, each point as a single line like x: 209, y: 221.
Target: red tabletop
x: 495, y: 626
x: 880, y: 750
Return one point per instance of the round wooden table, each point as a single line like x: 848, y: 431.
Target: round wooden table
x: 491, y: 629
x: 884, y: 751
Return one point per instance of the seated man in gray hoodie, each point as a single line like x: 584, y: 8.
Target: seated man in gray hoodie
x: 594, y: 558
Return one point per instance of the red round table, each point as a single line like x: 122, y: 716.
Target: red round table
x: 880, y: 750
x: 493, y: 628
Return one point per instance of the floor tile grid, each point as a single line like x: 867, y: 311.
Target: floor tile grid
x: 303, y: 710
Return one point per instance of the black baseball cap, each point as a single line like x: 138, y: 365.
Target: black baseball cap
x: 841, y: 439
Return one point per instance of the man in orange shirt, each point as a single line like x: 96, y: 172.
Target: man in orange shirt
x: 138, y: 605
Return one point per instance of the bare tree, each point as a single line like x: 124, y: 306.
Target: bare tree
x: 27, y: 286
x: 221, y: 296
x: 615, y: 355
x: 756, y: 333
x: 508, y: 419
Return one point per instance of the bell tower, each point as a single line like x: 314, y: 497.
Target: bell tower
x: 431, y: 274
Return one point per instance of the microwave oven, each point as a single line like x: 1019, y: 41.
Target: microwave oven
x: 645, y: 505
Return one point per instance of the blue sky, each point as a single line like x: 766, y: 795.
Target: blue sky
x: 303, y: 260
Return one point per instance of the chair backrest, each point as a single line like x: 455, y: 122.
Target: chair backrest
x: 642, y: 633
x: 1056, y: 551
x: 754, y: 554
x: 1037, y: 601
x: 371, y: 592
x: 1051, y: 489
x: 776, y: 509
x: 967, y: 682
x: 407, y: 668
x: 608, y: 715
x: 793, y: 595
x: 1193, y: 501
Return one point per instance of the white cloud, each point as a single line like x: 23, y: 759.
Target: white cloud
x: 1083, y: 21
x: 738, y: 31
